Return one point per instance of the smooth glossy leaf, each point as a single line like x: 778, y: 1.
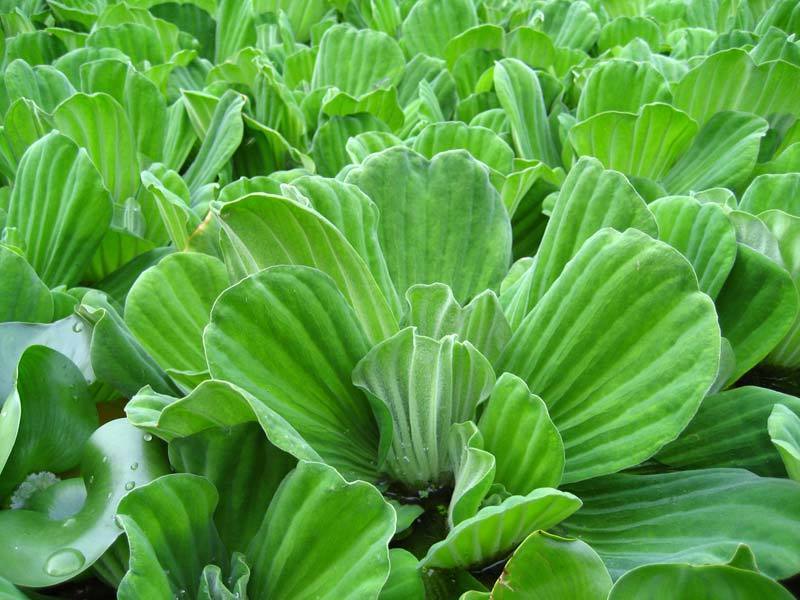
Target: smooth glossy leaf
x: 23, y: 296
x: 67, y: 546
x: 621, y: 85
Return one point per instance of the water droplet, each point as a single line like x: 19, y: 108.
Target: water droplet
x: 105, y: 459
x: 134, y: 466
x: 147, y: 437
x: 16, y: 548
x: 68, y: 523
x: 130, y: 485
x: 91, y: 479
x: 109, y: 494
x: 64, y: 562
x: 77, y: 327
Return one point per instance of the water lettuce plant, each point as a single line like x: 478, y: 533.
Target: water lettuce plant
x: 399, y: 299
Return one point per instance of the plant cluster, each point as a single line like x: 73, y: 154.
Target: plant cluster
x: 399, y: 299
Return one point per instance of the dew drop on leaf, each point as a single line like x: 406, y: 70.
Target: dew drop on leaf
x: 147, y: 437
x: 77, y: 327
x: 130, y: 485
x: 64, y: 562
x: 134, y: 466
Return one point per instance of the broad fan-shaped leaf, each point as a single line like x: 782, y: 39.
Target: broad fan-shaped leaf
x: 267, y: 230
x: 23, y: 296
x: 569, y: 24
x: 60, y: 208
x: 730, y: 430
x: 300, y: 549
x: 646, y: 144
x: 519, y: 433
x: 431, y: 24
x: 171, y: 536
x: 405, y: 579
x: 766, y: 90
x: 756, y: 307
x: 170, y: 304
x: 622, y: 348
x: 546, y: 566
x: 65, y: 547
x: 497, y: 529
x: 773, y: 192
x: 435, y: 313
x: 288, y: 336
x: 357, y: 61
x: 427, y: 386
x: 98, y: 123
x: 698, y: 517
x: 621, y: 85
x: 689, y: 581
x: 784, y: 431
x: 520, y: 94
x: 702, y: 233
x: 440, y: 220
x: 473, y: 472
x: 482, y: 143
x: 236, y: 459
x: 723, y: 153
x: 590, y: 198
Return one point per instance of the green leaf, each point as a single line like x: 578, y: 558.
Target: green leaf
x: 441, y: 220
x: 357, y: 61
x: 269, y: 230
x: 569, y: 24
x: 69, y: 336
x: 224, y: 135
x: 520, y: 94
x: 23, y: 296
x: 236, y: 28
x: 786, y: 229
x: 482, y: 143
x: 171, y: 536
x: 660, y: 356
x: 236, y: 460
x: 548, y: 566
x: 730, y: 430
x: 623, y: 86
x: 357, y: 217
x: 773, y: 192
x: 698, y: 517
x: 381, y: 103
x: 473, y: 470
x: 213, y: 586
x: 622, y: 30
x: 702, y: 233
x: 689, y: 581
x: 65, y: 547
x: 99, y: 124
x: 519, y: 433
x: 496, y: 530
x: 765, y: 90
x: 308, y: 342
x: 43, y: 84
x: 590, y: 199
x: 405, y: 581
x: 169, y: 305
x: 431, y: 24
x: 723, y: 154
x: 435, y: 313
x: 46, y: 419
x: 784, y: 431
x: 118, y: 359
x: 329, y: 147
x: 646, y: 144
x: 427, y: 386
x: 299, y: 549
x: 60, y: 208
x: 756, y: 307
